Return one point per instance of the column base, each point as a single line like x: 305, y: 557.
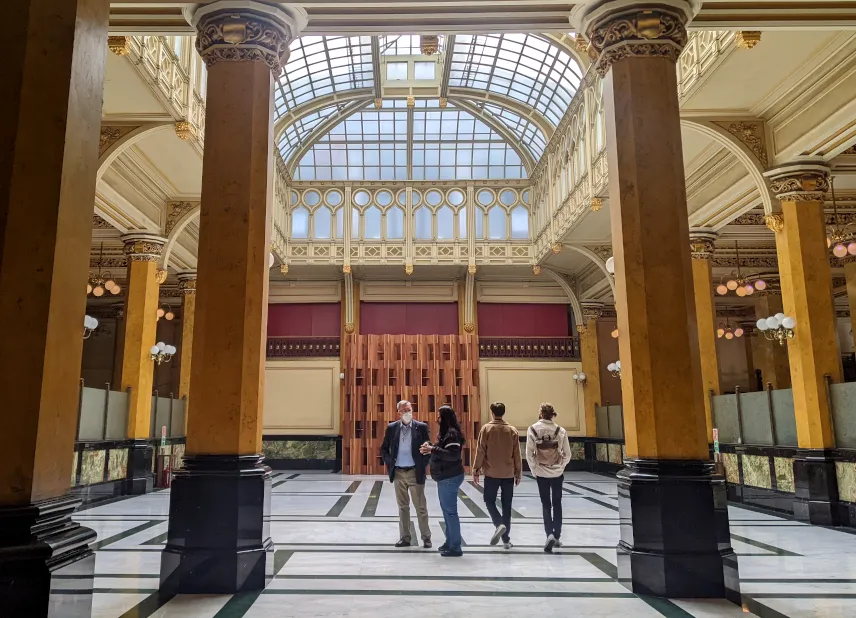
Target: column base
x: 140, y: 478
x: 675, y: 538
x: 219, y: 526
x: 816, y: 488
x: 40, y: 546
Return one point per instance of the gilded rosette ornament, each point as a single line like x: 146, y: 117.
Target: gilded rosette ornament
x: 246, y: 31
x: 636, y: 32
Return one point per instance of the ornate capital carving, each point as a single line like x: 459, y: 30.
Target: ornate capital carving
x: 246, y: 31
x: 747, y: 39
x: 592, y: 312
x: 184, y: 130
x: 119, y: 45
x: 187, y: 282
x: 775, y: 221
x: 580, y: 44
x: 582, y: 329
x: 702, y: 244
x: 596, y: 204
x: 143, y: 247
x: 800, y: 183
x: 635, y: 32
x: 429, y: 44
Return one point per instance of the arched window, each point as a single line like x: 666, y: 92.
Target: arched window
x: 395, y: 223
x: 422, y: 219
x: 479, y: 223
x: 462, y: 222
x: 372, y: 223
x: 300, y: 223
x: 322, y: 219
x: 355, y: 222
x: 520, y: 223
x: 496, y: 223
x: 340, y: 222
x: 445, y: 223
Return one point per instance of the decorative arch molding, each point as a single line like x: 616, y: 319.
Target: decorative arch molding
x: 117, y: 138
x: 572, y: 297
x: 598, y: 261
x: 178, y: 216
x: 749, y: 157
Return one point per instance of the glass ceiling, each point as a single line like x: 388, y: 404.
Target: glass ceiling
x: 446, y: 143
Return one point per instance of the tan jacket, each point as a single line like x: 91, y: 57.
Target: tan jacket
x: 498, y: 451
x: 540, y: 429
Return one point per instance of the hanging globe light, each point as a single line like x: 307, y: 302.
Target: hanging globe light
x: 760, y: 285
x: 839, y: 251
x: 721, y: 290
x: 98, y: 291
x: 738, y: 332
x: 731, y: 285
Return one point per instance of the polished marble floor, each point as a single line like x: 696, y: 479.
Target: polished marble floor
x: 334, y: 557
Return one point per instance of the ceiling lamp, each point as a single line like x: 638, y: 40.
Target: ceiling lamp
x: 165, y: 311
x: 101, y: 282
x: 610, y: 266
x: 778, y: 327
x: 840, y: 237
x: 742, y: 285
x: 726, y: 331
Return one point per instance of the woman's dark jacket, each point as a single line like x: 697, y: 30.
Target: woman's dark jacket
x: 446, y: 457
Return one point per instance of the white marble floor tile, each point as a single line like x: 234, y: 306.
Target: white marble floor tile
x: 196, y: 605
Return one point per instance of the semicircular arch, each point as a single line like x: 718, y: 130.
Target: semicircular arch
x: 596, y: 259
x: 572, y: 297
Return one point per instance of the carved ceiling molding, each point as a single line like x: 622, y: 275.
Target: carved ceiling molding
x: 751, y: 134
x: 734, y: 312
x: 604, y: 252
x: 100, y: 224
x: 108, y: 262
x: 730, y: 261
x: 110, y: 134
x: 174, y: 212
x: 759, y: 219
x: 851, y: 150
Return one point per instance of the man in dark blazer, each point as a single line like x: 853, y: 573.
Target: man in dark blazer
x: 406, y: 466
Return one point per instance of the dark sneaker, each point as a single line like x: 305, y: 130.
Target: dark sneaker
x: 497, y: 534
x: 443, y: 548
x: 550, y: 544
x: 426, y: 543
x: 403, y: 543
x: 452, y: 553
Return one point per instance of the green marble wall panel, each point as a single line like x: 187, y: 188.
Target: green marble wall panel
x: 845, y: 471
x: 74, y: 469
x: 307, y: 449
x: 92, y: 467
x: 784, y: 473
x: 756, y: 471
x: 117, y: 466
x: 602, y: 452
x: 843, y: 404
x: 725, y: 418
x: 578, y: 451
x: 732, y: 472
x: 614, y: 451
x: 755, y: 412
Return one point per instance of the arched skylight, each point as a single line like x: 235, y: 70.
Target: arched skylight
x: 322, y: 65
x: 525, y: 67
x: 297, y: 131
x: 525, y: 129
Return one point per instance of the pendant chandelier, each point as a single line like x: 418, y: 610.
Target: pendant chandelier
x: 726, y: 331
x: 841, y: 238
x: 99, y: 282
x: 739, y: 283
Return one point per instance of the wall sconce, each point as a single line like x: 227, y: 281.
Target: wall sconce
x: 615, y: 369
x: 580, y: 378
x: 89, y: 326
x: 777, y: 328
x: 162, y: 353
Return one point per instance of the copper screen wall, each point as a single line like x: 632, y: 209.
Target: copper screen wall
x: 427, y: 370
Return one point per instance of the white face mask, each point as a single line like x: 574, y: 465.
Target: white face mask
x: 406, y: 418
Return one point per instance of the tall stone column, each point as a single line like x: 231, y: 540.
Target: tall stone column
x: 590, y: 355
x: 54, y: 58
x: 141, y: 305
x: 807, y: 295
x: 187, y: 287
x: 668, y: 479
x: 218, y: 539
x: 850, y: 275
x: 701, y: 250
x: 772, y: 357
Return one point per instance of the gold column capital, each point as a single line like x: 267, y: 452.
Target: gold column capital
x: 582, y: 329
x: 615, y: 31
x: 800, y: 182
x: 702, y: 244
x: 119, y: 45
x: 747, y: 39
x: 187, y: 282
x: 592, y: 310
x: 143, y: 247
x: 775, y: 221
x: 243, y: 31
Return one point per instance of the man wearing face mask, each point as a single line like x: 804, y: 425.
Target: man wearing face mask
x: 406, y: 466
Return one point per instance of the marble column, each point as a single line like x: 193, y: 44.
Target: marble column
x: 773, y: 358
x: 187, y: 287
x: 850, y: 276
x: 54, y: 58
x: 218, y: 538
x: 590, y: 355
x: 701, y: 250
x: 141, y: 305
x: 814, y: 356
x: 668, y: 479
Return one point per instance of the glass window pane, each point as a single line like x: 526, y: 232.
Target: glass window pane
x: 322, y: 219
x: 396, y: 71
x: 445, y: 223
x: 395, y: 223
x: 424, y: 70
x: 300, y: 223
x: 519, y: 223
x: 422, y: 219
x: 372, y: 223
x: 462, y: 222
x: 340, y: 223
x: 355, y: 223
x: 496, y: 223
x: 479, y: 223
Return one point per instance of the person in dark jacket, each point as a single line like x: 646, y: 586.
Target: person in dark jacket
x: 406, y: 466
x: 447, y: 470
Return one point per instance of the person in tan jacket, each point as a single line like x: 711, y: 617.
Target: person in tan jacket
x: 498, y: 459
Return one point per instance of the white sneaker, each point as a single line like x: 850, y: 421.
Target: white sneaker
x: 550, y: 544
x: 557, y: 544
x: 497, y: 534
x: 507, y: 545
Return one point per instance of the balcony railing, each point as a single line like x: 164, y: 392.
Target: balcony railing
x: 559, y: 348
x: 302, y: 347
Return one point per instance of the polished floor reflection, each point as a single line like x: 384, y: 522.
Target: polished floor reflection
x: 334, y: 557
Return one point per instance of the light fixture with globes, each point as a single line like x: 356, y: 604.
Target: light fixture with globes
x: 101, y: 282
x: 89, y: 326
x: 580, y: 378
x: 739, y: 283
x: 165, y: 311
x: 842, y: 238
x: 610, y: 266
x: 614, y: 369
x: 778, y: 328
x: 728, y: 332
x: 162, y: 352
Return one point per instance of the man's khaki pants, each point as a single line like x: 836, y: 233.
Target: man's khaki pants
x: 405, y: 480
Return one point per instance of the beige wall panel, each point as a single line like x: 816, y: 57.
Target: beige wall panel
x: 522, y: 386
x: 302, y: 397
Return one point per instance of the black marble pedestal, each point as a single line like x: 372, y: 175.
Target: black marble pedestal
x: 675, y: 539
x: 816, y: 488
x: 140, y: 479
x: 46, y: 566
x: 219, y: 526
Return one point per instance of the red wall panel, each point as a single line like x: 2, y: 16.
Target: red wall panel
x: 408, y: 318
x: 522, y: 320
x: 304, y: 320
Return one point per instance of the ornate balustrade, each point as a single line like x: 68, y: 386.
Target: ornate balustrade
x: 559, y: 348
x: 302, y: 347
